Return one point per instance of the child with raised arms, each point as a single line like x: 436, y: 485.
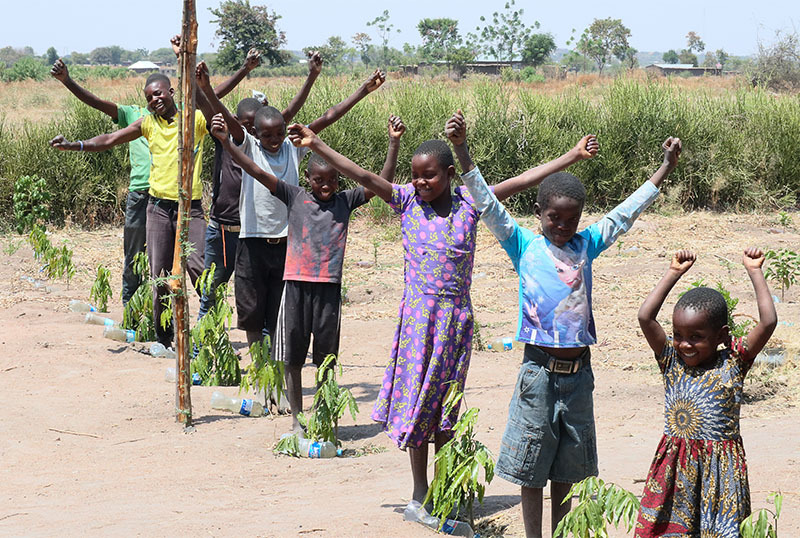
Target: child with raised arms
x: 433, y: 339
x: 550, y: 433
x: 318, y: 223
x: 697, y: 484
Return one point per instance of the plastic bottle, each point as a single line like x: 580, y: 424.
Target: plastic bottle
x: 500, y: 344
x: 94, y: 319
x: 120, y: 335
x: 169, y: 376
x: 246, y: 407
x: 416, y: 512
x: 316, y: 449
x: 79, y: 306
x: 157, y: 349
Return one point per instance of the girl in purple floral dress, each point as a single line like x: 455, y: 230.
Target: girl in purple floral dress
x: 433, y: 340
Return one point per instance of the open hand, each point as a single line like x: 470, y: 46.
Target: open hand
x: 253, y: 59
x: 60, y: 71
x: 587, y: 147
x: 375, y: 81
x: 201, y: 73
x: 396, y: 127
x: 314, y: 62
x: 175, y: 41
x: 219, y: 129
x: 672, y: 150
x: 456, y: 128
x: 753, y: 258
x: 61, y: 143
x: 682, y: 261
x: 300, y: 135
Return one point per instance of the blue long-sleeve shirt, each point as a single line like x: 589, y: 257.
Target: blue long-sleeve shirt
x: 555, y: 284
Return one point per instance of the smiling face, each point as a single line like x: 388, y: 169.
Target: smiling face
x: 159, y: 98
x: 324, y: 181
x: 271, y: 132
x: 694, y: 338
x: 429, y: 178
x: 559, y: 219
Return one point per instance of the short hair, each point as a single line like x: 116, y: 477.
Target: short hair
x: 315, y: 160
x: 560, y: 184
x: 440, y: 151
x: 706, y: 300
x: 269, y: 113
x: 157, y: 77
x: 248, y: 104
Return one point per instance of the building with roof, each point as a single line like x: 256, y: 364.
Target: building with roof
x: 682, y: 69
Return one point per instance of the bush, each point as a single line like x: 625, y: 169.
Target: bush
x: 25, y: 68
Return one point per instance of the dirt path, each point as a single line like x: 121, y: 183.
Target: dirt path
x: 90, y: 445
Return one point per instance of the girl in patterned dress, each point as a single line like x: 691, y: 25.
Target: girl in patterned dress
x: 433, y: 340
x: 697, y: 484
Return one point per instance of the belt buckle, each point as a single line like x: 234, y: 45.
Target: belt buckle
x: 560, y: 366
x: 274, y: 240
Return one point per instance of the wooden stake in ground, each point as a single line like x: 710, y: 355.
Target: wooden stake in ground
x: 186, y: 102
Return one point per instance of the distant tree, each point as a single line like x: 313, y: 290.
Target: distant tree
x: 686, y: 57
x: 385, y: 29
x: 537, y: 49
x: 710, y: 59
x: 164, y: 55
x: 722, y: 57
x: 439, y: 37
x: 459, y: 57
x: 603, y: 39
x: 694, y: 43
x: 51, y: 55
x: 671, y: 57
x: 332, y: 51
x: 505, y: 36
x: 629, y: 58
x: 100, y: 56
x: 116, y: 54
x: 241, y: 27
x: 78, y: 58
x: 10, y: 55
x: 361, y: 41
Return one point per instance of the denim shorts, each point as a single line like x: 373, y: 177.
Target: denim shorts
x: 550, y: 433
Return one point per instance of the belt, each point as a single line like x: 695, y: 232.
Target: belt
x: 538, y: 356
x: 227, y: 227
x: 275, y: 240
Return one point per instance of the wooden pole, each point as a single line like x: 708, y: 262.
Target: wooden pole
x: 188, y: 57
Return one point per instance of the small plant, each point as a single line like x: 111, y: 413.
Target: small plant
x: 619, y: 246
x: 216, y: 361
x: 599, y: 503
x: 138, y: 313
x: 263, y: 373
x: 758, y: 524
x: 31, y: 200
x: 458, y: 463
x: 784, y: 268
x: 12, y: 247
x: 784, y: 218
x: 330, y: 404
x: 101, y: 289
x: 376, y: 244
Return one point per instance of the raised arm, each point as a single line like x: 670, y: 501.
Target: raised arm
x: 61, y: 73
x: 314, y: 69
x: 758, y: 336
x: 219, y: 129
x: 672, y: 150
x: 302, y: 136
x: 652, y: 330
x: 335, y: 112
x: 396, y: 130
x: 586, y: 148
x: 214, y: 105
x: 101, y: 142
x: 251, y: 62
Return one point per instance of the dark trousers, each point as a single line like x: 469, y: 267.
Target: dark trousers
x: 162, y: 219
x: 220, y: 250
x: 134, y: 236
x: 259, y: 283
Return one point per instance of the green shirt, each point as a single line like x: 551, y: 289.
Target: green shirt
x: 139, y: 149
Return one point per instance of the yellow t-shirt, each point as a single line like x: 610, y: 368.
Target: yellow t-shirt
x: 162, y: 136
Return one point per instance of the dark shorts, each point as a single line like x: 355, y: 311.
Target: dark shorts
x: 308, y: 308
x: 550, y: 433
x: 259, y: 283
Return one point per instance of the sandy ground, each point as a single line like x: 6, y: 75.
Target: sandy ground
x: 90, y: 445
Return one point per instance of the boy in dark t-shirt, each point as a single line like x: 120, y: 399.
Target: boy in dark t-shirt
x: 317, y: 235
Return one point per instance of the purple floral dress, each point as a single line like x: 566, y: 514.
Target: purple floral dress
x: 433, y: 339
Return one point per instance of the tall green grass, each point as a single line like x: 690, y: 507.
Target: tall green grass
x: 740, y: 148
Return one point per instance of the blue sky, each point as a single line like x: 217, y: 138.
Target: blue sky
x: 82, y: 25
